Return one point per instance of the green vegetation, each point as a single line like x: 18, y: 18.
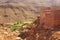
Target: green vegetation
x: 31, y: 20
x: 18, y: 25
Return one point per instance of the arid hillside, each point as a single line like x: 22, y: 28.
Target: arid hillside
x: 17, y: 11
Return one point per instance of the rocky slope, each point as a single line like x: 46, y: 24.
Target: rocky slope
x: 16, y: 11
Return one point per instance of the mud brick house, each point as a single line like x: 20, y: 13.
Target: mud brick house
x: 50, y: 17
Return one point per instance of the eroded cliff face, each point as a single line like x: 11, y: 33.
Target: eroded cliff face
x: 50, y: 16
x: 46, y: 26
